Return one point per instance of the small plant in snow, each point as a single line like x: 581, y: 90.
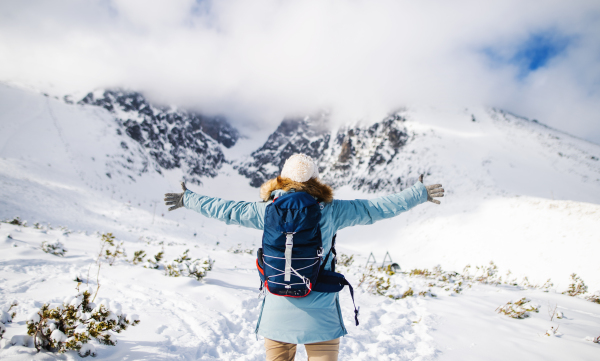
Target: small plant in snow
x: 484, y: 274
x: 65, y: 230
x: 594, y: 297
x: 155, y: 263
x: 553, y: 331
x: 56, y: 248
x: 75, y: 322
x: 449, y: 281
x: 547, y: 285
x: 576, y: 287
x: 138, y: 257
x: 519, y: 309
x: 383, y: 281
x: 344, y: 260
x: 7, y: 317
x: 16, y: 221
x: 420, y: 272
x: 239, y: 250
x: 186, y: 267
x: 552, y: 312
x: 110, y: 249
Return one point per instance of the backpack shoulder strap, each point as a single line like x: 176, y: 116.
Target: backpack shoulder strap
x: 331, y: 250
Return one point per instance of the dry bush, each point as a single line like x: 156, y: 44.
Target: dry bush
x: 73, y: 323
x: 345, y: 260
x: 138, y: 257
x: 155, y: 263
x: 7, y: 317
x: 519, y: 309
x: 577, y: 287
x: 56, y: 248
x: 184, y: 266
x: 238, y: 250
x: 110, y: 249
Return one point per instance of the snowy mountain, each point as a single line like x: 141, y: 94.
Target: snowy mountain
x: 517, y: 193
x: 346, y: 157
x: 174, y: 138
x: 389, y: 154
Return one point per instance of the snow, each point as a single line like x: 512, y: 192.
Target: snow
x: 510, y: 200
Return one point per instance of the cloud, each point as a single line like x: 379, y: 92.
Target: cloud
x: 262, y: 60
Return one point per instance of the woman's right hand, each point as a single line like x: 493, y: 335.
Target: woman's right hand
x: 435, y: 190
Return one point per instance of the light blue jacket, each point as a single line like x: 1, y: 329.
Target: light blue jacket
x: 316, y: 317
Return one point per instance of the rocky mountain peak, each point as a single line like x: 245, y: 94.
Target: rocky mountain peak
x: 175, y: 138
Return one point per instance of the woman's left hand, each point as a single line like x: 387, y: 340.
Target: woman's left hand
x: 175, y: 199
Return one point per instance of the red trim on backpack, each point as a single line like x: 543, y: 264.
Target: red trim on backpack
x: 259, y: 268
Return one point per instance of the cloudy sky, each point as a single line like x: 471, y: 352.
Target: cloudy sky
x: 258, y: 61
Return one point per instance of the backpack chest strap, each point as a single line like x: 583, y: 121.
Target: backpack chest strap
x: 289, y: 244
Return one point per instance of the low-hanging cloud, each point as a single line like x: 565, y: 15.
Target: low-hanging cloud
x: 258, y: 61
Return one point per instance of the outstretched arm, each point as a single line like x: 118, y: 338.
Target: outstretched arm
x: 247, y: 214
x: 369, y: 211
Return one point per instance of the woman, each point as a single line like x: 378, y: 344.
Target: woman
x: 314, y: 320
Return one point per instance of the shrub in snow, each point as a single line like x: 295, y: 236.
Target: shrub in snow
x: 186, y: 267
x: 592, y: 339
x: 553, y: 331
x: 65, y: 230
x: 547, y: 285
x: 519, y: 309
x: 8, y: 315
x: 75, y: 322
x: 576, y: 287
x: 384, y: 281
x: 449, y: 281
x: 78, y: 277
x: 239, y: 250
x: 345, y: 261
x: 483, y: 274
x: 16, y: 221
x: 155, y: 263
x: 594, y: 297
x: 56, y: 248
x: 138, y: 257
x: 110, y: 249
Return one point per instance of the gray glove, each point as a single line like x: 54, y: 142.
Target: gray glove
x: 435, y: 190
x: 175, y: 199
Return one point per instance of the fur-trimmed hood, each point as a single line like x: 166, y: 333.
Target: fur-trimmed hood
x: 321, y: 191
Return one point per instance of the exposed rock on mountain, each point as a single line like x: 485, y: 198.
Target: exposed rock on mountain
x: 354, y: 155
x: 175, y: 138
x: 363, y: 156
x: 295, y: 135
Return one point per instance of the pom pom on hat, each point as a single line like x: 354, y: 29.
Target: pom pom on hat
x: 300, y: 168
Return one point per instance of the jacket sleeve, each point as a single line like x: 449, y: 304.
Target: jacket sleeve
x: 247, y: 214
x: 369, y: 211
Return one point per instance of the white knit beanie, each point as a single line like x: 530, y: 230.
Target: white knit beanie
x: 300, y: 168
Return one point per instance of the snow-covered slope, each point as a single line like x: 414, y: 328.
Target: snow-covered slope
x: 518, y: 193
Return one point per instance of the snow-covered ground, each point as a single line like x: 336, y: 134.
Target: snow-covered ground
x: 510, y: 200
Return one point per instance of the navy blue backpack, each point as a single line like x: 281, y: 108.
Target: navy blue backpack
x: 290, y: 262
